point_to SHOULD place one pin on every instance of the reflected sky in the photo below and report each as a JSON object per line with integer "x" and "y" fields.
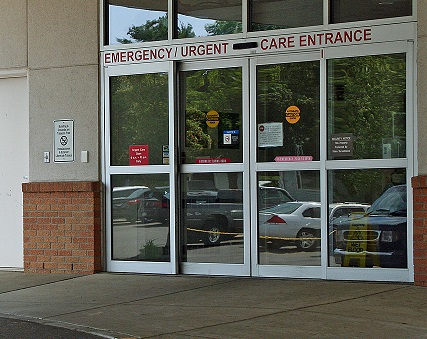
{"x": 122, "y": 18}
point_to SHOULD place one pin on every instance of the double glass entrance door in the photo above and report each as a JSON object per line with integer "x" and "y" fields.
{"x": 244, "y": 166}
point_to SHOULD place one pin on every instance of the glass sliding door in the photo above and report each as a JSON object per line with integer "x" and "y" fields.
{"x": 214, "y": 199}
{"x": 340, "y": 156}
{"x": 369, "y": 162}
{"x": 138, "y": 175}
{"x": 292, "y": 165}
{"x": 287, "y": 219}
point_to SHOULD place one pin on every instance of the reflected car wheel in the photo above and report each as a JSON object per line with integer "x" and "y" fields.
{"x": 213, "y": 236}
{"x": 307, "y": 241}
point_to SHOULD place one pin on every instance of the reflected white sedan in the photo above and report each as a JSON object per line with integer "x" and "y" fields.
{"x": 298, "y": 223}
{"x": 292, "y": 222}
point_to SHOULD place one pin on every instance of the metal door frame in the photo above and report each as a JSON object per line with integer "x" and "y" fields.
{"x": 249, "y": 166}
{"x": 324, "y": 271}
{"x": 222, "y": 268}
{"x": 139, "y": 266}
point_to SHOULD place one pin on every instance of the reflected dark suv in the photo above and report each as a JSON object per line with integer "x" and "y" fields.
{"x": 377, "y": 237}
{"x": 138, "y": 203}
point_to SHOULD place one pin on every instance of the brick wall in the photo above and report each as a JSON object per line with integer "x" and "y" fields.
{"x": 62, "y": 227}
{"x": 419, "y": 186}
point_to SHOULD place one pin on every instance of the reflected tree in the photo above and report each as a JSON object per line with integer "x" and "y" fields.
{"x": 206, "y": 90}
{"x": 365, "y": 95}
{"x": 223, "y": 27}
{"x": 155, "y": 30}
{"x": 139, "y": 115}
{"x": 280, "y": 86}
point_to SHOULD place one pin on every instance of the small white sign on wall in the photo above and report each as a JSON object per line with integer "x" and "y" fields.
{"x": 63, "y": 142}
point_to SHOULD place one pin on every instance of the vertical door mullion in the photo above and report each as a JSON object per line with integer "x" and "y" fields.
{"x": 323, "y": 173}
{"x": 247, "y": 205}
{"x": 107, "y": 162}
{"x": 253, "y": 169}
{"x": 173, "y": 165}
{"x": 412, "y": 166}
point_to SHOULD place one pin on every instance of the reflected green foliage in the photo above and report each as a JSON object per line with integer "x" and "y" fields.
{"x": 264, "y": 27}
{"x": 155, "y": 30}
{"x": 206, "y": 90}
{"x": 367, "y": 99}
{"x": 365, "y": 94}
{"x": 215, "y": 89}
{"x": 280, "y": 86}
{"x": 196, "y": 134}
{"x": 139, "y": 115}
{"x": 223, "y": 27}
{"x": 363, "y": 186}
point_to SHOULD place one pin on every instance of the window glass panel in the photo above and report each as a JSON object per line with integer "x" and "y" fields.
{"x": 207, "y": 18}
{"x": 274, "y": 14}
{"x": 367, "y": 113}
{"x": 132, "y": 21}
{"x": 139, "y": 119}
{"x": 288, "y": 112}
{"x": 358, "y": 10}
{"x": 212, "y": 218}
{"x": 213, "y": 115}
{"x": 371, "y": 230}
{"x": 289, "y": 227}
{"x": 140, "y": 217}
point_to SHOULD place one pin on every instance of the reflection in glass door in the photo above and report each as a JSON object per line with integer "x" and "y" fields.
{"x": 287, "y": 168}
{"x": 213, "y": 180}
{"x": 138, "y": 175}
{"x": 367, "y": 115}
{"x": 277, "y": 174}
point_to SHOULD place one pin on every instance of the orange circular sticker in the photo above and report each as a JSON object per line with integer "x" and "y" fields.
{"x": 212, "y": 118}
{"x": 292, "y": 114}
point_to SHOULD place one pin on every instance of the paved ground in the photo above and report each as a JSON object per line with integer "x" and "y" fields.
{"x": 156, "y": 306}
{"x": 24, "y": 329}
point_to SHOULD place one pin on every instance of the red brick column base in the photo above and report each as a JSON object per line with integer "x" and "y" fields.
{"x": 62, "y": 227}
{"x": 419, "y": 186}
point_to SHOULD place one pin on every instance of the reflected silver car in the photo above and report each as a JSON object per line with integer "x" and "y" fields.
{"x": 292, "y": 222}
{"x": 299, "y": 223}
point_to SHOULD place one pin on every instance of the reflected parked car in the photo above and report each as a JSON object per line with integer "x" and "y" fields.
{"x": 216, "y": 215}
{"x": 270, "y": 196}
{"x": 295, "y": 222}
{"x": 377, "y": 238}
{"x": 140, "y": 204}
{"x": 299, "y": 223}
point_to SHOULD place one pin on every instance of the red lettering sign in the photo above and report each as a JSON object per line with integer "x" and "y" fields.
{"x": 293, "y": 158}
{"x": 273, "y": 43}
{"x": 138, "y": 155}
{"x": 212, "y": 160}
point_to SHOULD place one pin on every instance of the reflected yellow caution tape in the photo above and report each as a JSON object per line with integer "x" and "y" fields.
{"x": 261, "y": 237}
{"x": 212, "y": 232}
{"x": 287, "y": 239}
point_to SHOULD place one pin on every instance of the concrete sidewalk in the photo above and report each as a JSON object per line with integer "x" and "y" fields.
{"x": 146, "y": 306}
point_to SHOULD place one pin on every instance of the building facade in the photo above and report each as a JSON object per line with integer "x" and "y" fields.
{"x": 245, "y": 138}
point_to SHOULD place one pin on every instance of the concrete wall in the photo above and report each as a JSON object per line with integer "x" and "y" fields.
{"x": 13, "y": 34}
{"x": 63, "y": 43}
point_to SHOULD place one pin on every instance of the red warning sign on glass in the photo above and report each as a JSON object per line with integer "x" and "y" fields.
{"x": 138, "y": 155}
